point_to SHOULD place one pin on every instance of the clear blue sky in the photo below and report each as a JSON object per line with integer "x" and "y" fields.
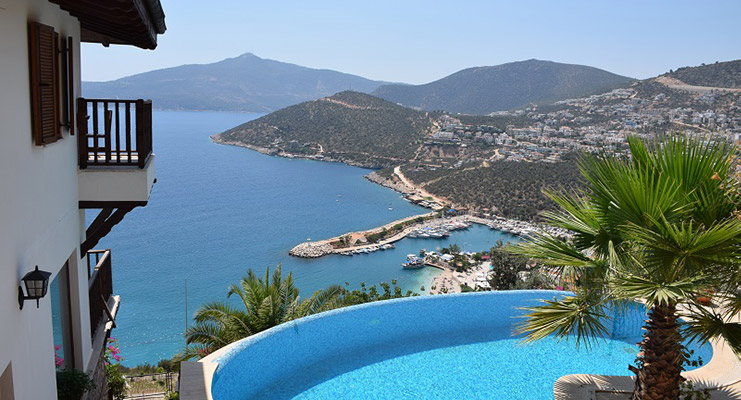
{"x": 421, "y": 41}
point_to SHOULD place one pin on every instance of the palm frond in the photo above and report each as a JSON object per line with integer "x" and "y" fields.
{"x": 703, "y": 325}
{"x": 580, "y": 316}
{"x": 655, "y": 291}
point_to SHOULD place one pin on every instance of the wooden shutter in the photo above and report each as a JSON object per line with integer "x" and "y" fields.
{"x": 71, "y": 85}
{"x": 68, "y": 85}
{"x": 44, "y": 71}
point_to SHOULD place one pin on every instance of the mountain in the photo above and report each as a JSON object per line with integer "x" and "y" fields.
{"x": 350, "y": 127}
{"x": 720, "y": 74}
{"x": 244, "y": 83}
{"x": 482, "y": 90}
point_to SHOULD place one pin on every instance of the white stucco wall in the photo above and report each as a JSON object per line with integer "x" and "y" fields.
{"x": 119, "y": 184}
{"x": 40, "y": 223}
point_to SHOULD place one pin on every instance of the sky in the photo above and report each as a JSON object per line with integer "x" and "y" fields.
{"x": 421, "y": 41}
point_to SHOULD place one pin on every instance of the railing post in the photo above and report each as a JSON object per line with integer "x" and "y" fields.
{"x": 100, "y": 287}
{"x": 148, "y": 127}
{"x": 82, "y": 132}
{"x": 138, "y": 148}
{"x": 108, "y": 289}
{"x": 140, "y": 123}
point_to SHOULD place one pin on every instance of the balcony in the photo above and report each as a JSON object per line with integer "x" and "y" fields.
{"x": 116, "y": 163}
{"x": 103, "y": 304}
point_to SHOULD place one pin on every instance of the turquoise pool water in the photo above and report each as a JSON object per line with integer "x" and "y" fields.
{"x": 451, "y": 346}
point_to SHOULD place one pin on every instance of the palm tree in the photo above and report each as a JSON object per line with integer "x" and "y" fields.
{"x": 661, "y": 226}
{"x": 265, "y": 303}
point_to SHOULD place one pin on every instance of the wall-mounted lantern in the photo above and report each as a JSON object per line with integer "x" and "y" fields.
{"x": 37, "y": 283}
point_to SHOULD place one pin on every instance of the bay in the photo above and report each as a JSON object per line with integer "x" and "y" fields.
{"x": 218, "y": 210}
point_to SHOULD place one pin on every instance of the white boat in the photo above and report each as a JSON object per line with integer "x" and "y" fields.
{"x": 413, "y": 262}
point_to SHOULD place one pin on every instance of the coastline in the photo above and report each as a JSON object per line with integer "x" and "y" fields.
{"x": 276, "y": 153}
{"x": 315, "y": 249}
{"x": 446, "y": 280}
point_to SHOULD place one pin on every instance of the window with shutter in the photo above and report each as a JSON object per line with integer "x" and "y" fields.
{"x": 44, "y": 72}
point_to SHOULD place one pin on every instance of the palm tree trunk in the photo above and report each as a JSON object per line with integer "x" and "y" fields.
{"x": 658, "y": 376}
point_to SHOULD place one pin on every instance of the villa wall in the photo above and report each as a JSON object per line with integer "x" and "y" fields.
{"x": 40, "y": 223}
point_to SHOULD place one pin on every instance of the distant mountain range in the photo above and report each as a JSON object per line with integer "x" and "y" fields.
{"x": 350, "y": 127}
{"x": 482, "y": 90}
{"x": 244, "y": 83}
{"x": 254, "y": 84}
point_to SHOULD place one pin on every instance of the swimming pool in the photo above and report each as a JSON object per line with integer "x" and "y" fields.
{"x": 450, "y": 346}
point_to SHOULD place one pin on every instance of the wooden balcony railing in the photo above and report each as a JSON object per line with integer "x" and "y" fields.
{"x": 100, "y": 286}
{"x": 114, "y": 132}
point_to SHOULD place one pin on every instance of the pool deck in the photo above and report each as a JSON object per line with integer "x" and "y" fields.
{"x": 195, "y": 380}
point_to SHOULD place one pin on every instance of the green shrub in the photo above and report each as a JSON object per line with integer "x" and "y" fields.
{"x": 72, "y": 384}
{"x": 116, "y": 381}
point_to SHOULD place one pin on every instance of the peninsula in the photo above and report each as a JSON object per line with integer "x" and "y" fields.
{"x": 496, "y": 164}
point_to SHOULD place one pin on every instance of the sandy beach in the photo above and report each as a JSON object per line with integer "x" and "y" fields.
{"x": 450, "y": 281}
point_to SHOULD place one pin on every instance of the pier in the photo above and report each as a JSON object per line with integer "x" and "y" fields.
{"x": 430, "y": 227}
{"x": 357, "y": 239}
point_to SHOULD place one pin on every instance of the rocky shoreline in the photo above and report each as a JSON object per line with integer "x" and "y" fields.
{"x": 388, "y": 183}
{"x": 278, "y": 153}
{"x": 311, "y": 250}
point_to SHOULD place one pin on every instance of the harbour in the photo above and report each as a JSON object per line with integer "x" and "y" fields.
{"x": 213, "y": 246}
{"x": 424, "y": 226}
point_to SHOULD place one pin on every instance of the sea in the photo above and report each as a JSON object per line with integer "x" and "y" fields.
{"x": 217, "y": 211}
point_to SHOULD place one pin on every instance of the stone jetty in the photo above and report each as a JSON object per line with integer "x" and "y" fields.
{"x": 311, "y": 250}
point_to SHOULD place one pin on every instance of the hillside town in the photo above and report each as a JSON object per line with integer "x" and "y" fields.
{"x": 597, "y": 123}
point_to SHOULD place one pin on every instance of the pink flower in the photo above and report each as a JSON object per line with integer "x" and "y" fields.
{"x": 58, "y": 361}
{"x": 559, "y": 287}
{"x": 117, "y": 357}
{"x": 58, "y": 347}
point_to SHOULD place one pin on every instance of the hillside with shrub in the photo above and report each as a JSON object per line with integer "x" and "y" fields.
{"x": 510, "y": 189}
{"x": 482, "y": 90}
{"x": 350, "y": 127}
{"x": 719, "y": 74}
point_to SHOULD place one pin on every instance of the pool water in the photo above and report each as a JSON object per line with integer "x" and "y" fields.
{"x": 424, "y": 348}
{"x": 455, "y": 368}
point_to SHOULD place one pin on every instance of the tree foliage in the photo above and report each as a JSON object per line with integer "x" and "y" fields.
{"x": 264, "y": 303}
{"x": 349, "y": 126}
{"x": 513, "y": 189}
{"x": 662, "y": 226}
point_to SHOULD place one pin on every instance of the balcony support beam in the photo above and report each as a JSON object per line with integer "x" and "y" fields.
{"x": 102, "y": 226}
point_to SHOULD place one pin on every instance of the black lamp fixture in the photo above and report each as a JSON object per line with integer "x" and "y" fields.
{"x": 37, "y": 283}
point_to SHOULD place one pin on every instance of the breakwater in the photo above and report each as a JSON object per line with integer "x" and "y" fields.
{"x": 356, "y": 240}
{"x": 429, "y": 226}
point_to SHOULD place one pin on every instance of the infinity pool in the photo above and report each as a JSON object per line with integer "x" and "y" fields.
{"x": 451, "y": 346}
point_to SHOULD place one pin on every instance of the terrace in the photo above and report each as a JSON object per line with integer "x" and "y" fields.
{"x": 116, "y": 162}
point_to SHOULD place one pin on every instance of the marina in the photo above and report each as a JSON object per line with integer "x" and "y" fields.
{"x": 433, "y": 226}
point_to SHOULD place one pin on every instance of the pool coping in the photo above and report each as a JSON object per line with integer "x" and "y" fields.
{"x": 723, "y": 371}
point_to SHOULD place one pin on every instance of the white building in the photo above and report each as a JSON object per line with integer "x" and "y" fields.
{"x": 61, "y": 155}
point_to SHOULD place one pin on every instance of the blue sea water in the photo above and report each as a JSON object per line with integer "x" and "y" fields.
{"x": 218, "y": 210}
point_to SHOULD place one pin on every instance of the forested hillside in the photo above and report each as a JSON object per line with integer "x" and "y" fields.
{"x": 512, "y": 189}
{"x": 482, "y": 90}
{"x": 351, "y": 127}
{"x": 244, "y": 83}
{"x": 719, "y": 74}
